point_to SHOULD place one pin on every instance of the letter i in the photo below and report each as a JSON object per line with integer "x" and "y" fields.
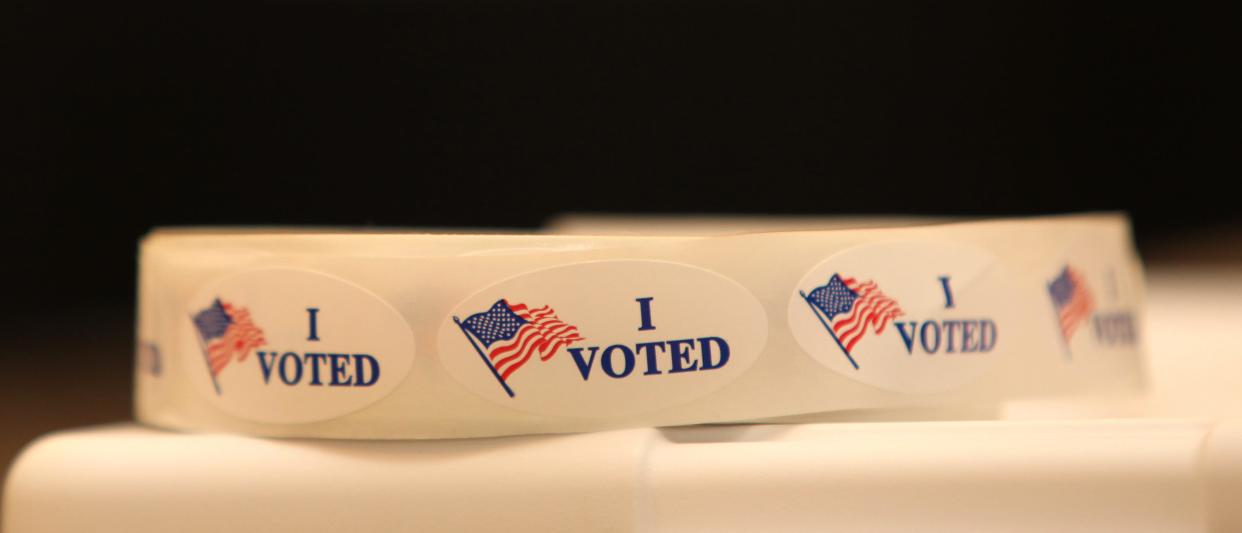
{"x": 948, "y": 293}
{"x": 313, "y": 317}
{"x": 644, "y": 310}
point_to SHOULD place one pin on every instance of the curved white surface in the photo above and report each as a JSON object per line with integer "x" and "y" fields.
{"x": 370, "y": 335}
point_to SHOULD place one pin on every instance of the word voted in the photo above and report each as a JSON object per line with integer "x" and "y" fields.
{"x": 318, "y": 369}
{"x": 618, "y": 360}
{"x": 678, "y": 355}
{"x": 332, "y": 369}
{"x": 960, "y": 336}
{"x": 949, "y": 336}
{"x": 1115, "y": 328}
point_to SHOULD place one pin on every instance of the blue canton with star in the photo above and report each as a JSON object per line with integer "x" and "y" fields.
{"x": 1062, "y": 289}
{"x": 496, "y": 324}
{"x": 833, "y": 298}
{"x": 213, "y": 321}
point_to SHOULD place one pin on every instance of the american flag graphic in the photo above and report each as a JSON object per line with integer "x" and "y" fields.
{"x": 1071, "y": 299}
{"x": 850, "y": 307}
{"x": 512, "y": 333}
{"x": 227, "y": 333}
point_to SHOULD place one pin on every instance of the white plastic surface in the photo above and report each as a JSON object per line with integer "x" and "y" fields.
{"x": 1138, "y": 475}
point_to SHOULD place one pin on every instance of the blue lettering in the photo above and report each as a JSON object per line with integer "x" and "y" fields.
{"x": 313, "y": 313}
{"x": 606, "y": 361}
{"x": 340, "y": 375}
{"x": 584, "y": 366}
{"x": 1114, "y": 328}
{"x": 619, "y": 360}
{"x": 950, "y": 325}
{"x": 644, "y": 311}
{"x": 948, "y": 293}
{"x": 705, "y": 344}
{"x": 362, "y": 378}
{"x": 679, "y": 350}
{"x": 313, "y": 359}
{"x": 987, "y": 335}
{"x": 930, "y": 347}
{"x": 291, "y": 366}
{"x": 907, "y": 336}
{"x": 284, "y": 368}
{"x": 968, "y": 332}
{"x": 649, "y": 349}
{"x": 265, "y": 365}
{"x": 968, "y": 336}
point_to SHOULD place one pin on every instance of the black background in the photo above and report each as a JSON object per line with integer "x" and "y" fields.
{"x": 123, "y": 116}
{"x": 472, "y": 112}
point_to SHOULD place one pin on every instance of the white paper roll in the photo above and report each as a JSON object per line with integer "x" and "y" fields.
{"x": 397, "y": 335}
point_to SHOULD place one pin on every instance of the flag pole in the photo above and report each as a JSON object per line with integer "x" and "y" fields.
{"x": 202, "y": 347}
{"x": 829, "y": 328}
{"x": 1065, "y": 339}
{"x": 487, "y": 361}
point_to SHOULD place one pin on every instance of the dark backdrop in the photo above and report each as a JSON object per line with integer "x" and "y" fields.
{"x": 499, "y": 113}
{"x": 124, "y": 115}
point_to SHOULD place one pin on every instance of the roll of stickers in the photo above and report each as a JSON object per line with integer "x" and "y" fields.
{"x": 400, "y": 335}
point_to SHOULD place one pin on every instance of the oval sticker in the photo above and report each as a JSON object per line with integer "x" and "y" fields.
{"x": 915, "y": 317}
{"x": 603, "y": 339}
{"x": 290, "y": 346}
{"x": 1093, "y": 299}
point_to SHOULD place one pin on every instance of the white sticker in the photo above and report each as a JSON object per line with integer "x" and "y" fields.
{"x": 603, "y": 339}
{"x": 1092, "y": 299}
{"x": 290, "y": 346}
{"x": 915, "y": 317}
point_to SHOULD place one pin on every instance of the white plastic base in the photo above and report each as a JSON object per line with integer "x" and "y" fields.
{"x": 1119, "y": 475}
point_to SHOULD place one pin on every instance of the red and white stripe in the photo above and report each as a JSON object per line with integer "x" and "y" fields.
{"x": 240, "y": 337}
{"x": 1079, "y": 307}
{"x": 544, "y": 333}
{"x": 872, "y": 308}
